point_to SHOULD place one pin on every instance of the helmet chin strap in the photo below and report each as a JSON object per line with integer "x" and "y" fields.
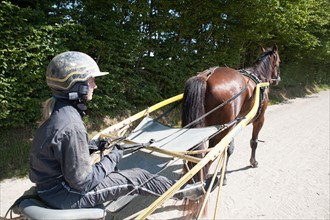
{"x": 77, "y": 95}
{"x": 81, "y": 108}
{"x": 82, "y": 98}
{"x": 79, "y": 104}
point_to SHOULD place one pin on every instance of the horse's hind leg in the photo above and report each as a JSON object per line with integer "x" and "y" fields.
{"x": 230, "y": 151}
{"x": 257, "y": 125}
{"x": 254, "y": 145}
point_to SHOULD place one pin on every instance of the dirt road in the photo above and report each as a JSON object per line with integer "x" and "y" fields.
{"x": 291, "y": 182}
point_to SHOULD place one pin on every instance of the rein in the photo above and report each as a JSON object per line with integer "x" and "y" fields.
{"x": 208, "y": 73}
{"x": 219, "y": 106}
{"x": 251, "y": 76}
{"x": 222, "y": 127}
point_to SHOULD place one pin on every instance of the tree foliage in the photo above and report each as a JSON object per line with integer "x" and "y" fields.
{"x": 151, "y": 47}
{"x": 26, "y": 48}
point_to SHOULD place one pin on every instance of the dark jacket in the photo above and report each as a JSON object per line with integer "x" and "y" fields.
{"x": 60, "y": 152}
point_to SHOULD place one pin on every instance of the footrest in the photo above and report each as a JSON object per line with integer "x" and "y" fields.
{"x": 34, "y": 209}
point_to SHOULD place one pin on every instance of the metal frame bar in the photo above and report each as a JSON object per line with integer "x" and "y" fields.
{"x": 117, "y": 127}
{"x": 212, "y": 155}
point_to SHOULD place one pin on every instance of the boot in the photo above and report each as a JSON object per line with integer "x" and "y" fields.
{"x": 196, "y": 190}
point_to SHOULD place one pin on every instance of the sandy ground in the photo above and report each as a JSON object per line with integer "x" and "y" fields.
{"x": 291, "y": 182}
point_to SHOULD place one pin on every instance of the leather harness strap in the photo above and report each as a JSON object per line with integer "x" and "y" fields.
{"x": 208, "y": 72}
{"x": 255, "y": 78}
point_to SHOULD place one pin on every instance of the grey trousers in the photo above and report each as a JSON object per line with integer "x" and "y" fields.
{"x": 116, "y": 184}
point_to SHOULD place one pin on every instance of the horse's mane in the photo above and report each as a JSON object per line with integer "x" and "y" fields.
{"x": 262, "y": 65}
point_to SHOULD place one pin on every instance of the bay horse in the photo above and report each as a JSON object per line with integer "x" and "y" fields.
{"x": 216, "y": 86}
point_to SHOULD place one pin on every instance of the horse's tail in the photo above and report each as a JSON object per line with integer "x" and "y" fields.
{"x": 193, "y": 101}
{"x": 193, "y": 108}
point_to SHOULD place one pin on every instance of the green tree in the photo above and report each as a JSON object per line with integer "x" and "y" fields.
{"x": 26, "y": 48}
{"x": 152, "y": 47}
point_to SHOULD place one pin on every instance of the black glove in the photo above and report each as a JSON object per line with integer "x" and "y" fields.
{"x": 103, "y": 143}
{"x": 99, "y": 144}
{"x": 135, "y": 146}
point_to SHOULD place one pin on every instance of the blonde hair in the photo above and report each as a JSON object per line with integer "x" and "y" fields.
{"x": 47, "y": 109}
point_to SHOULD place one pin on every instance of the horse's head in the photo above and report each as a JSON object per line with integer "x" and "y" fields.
{"x": 268, "y": 65}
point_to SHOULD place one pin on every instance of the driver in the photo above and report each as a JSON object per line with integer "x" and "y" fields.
{"x": 59, "y": 158}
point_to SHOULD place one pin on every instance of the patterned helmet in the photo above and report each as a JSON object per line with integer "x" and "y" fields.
{"x": 67, "y": 74}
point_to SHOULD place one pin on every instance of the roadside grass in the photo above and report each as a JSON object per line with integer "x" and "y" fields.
{"x": 279, "y": 94}
{"x": 16, "y": 142}
{"x": 14, "y": 151}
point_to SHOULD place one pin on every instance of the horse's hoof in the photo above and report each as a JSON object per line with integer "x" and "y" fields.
{"x": 254, "y": 165}
{"x": 224, "y": 182}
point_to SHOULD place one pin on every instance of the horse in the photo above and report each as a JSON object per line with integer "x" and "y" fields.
{"x": 233, "y": 91}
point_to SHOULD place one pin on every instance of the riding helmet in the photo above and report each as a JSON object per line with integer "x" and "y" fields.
{"x": 68, "y": 73}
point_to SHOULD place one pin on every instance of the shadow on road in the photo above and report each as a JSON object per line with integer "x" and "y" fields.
{"x": 240, "y": 169}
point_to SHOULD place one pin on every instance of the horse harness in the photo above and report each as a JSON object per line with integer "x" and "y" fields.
{"x": 250, "y": 75}
{"x": 208, "y": 72}
{"x": 255, "y": 79}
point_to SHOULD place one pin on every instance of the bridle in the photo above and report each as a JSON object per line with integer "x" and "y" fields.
{"x": 276, "y": 69}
